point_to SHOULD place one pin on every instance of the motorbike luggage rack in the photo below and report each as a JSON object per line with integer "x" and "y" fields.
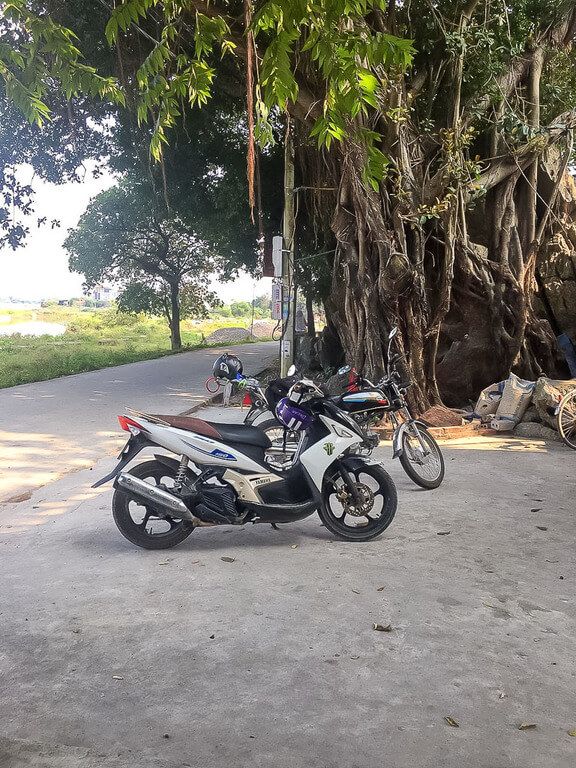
{"x": 148, "y": 416}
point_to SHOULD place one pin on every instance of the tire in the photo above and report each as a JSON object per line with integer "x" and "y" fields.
{"x": 566, "y": 419}
{"x": 124, "y": 508}
{"x": 350, "y": 531}
{"x": 416, "y": 471}
{"x": 275, "y": 431}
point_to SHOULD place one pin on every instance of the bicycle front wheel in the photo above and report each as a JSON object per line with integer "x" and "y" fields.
{"x": 566, "y": 419}
{"x": 421, "y": 457}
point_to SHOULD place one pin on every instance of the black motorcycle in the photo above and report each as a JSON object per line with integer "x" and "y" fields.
{"x": 367, "y": 404}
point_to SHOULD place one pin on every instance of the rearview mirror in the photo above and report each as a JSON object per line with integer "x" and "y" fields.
{"x": 344, "y": 369}
{"x": 291, "y": 371}
{"x": 393, "y": 333}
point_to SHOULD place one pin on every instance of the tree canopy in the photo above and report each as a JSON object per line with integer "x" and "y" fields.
{"x": 155, "y": 257}
{"x": 432, "y": 141}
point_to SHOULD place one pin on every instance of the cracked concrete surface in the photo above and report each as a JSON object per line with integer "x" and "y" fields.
{"x": 115, "y": 657}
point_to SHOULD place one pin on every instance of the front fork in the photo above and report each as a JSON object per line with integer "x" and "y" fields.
{"x": 407, "y": 425}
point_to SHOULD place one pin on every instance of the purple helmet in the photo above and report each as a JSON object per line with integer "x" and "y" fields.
{"x": 292, "y": 417}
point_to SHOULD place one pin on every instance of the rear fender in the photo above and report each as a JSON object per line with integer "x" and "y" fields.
{"x": 135, "y": 444}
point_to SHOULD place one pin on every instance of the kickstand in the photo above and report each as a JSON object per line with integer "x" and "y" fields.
{"x": 275, "y": 526}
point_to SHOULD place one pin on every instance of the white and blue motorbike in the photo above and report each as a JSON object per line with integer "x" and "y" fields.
{"x": 221, "y": 475}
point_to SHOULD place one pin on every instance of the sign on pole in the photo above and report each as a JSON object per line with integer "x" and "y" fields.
{"x": 276, "y": 301}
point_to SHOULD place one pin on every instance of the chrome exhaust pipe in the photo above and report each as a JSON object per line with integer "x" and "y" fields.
{"x": 157, "y": 497}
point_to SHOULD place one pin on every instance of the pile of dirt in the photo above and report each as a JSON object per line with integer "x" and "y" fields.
{"x": 439, "y": 416}
{"x": 262, "y": 329}
{"x": 229, "y": 335}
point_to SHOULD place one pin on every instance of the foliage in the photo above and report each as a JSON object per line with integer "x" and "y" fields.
{"x": 138, "y": 297}
{"x": 121, "y": 236}
{"x": 93, "y": 339}
{"x": 155, "y": 256}
{"x": 240, "y": 308}
{"x": 404, "y": 118}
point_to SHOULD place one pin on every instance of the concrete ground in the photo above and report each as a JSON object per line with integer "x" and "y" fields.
{"x": 53, "y": 427}
{"x": 116, "y": 657}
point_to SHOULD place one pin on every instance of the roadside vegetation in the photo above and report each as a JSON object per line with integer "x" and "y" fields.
{"x": 98, "y": 338}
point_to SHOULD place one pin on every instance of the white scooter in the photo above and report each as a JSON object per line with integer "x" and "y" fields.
{"x": 221, "y": 476}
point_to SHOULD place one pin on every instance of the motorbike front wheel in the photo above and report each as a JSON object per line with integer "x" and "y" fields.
{"x": 361, "y": 512}
{"x": 424, "y": 467}
{"x": 142, "y": 525}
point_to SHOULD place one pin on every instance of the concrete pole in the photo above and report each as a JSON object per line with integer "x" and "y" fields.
{"x": 289, "y": 235}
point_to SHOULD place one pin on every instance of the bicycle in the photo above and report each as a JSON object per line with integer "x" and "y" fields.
{"x": 566, "y": 419}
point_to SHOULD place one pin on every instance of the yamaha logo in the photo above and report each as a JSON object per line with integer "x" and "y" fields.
{"x": 329, "y": 448}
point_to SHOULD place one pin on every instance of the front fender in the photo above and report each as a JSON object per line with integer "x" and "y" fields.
{"x": 397, "y": 442}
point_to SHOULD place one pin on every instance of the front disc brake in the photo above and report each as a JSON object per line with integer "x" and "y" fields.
{"x": 364, "y": 503}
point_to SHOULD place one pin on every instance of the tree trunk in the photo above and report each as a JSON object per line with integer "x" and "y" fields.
{"x": 310, "y": 322}
{"x": 175, "y": 337}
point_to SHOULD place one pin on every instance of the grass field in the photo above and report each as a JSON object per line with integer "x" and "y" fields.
{"x": 94, "y": 338}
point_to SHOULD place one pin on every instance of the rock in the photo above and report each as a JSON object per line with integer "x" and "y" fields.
{"x": 439, "y": 416}
{"x": 536, "y": 431}
{"x": 227, "y": 335}
{"x": 532, "y": 415}
{"x": 547, "y": 394}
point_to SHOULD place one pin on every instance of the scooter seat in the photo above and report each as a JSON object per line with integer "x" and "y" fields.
{"x": 190, "y": 424}
{"x": 241, "y": 434}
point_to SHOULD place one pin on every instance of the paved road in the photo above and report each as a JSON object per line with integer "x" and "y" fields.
{"x": 117, "y": 657}
{"x": 53, "y": 427}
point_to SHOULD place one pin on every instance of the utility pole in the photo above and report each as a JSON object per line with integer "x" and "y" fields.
{"x": 288, "y": 281}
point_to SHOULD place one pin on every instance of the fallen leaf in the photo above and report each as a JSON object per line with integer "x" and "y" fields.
{"x": 354, "y": 657}
{"x": 164, "y": 562}
{"x": 572, "y": 733}
{"x": 382, "y": 627}
{"x": 536, "y": 509}
{"x": 443, "y": 533}
{"x": 501, "y": 695}
{"x": 212, "y": 637}
{"x": 380, "y": 589}
{"x": 356, "y": 592}
{"x": 228, "y": 559}
{"x": 526, "y": 726}
{"x": 76, "y": 631}
{"x": 294, "y": 546}
{"x": 117, "y": 677}
{"x": 166, "y": 736}
{"x": 542, "y": 527}
{"x": 451, "y": 722}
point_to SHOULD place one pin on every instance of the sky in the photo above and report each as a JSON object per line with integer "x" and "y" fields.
{"x": 39, "y": 270}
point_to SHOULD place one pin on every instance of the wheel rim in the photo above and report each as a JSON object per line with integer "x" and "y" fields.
{"x": 348, "y": 514}
{"x": 567, "y": 419}
{"x": 146, "y": 519}
{"x": 427, "y": 464}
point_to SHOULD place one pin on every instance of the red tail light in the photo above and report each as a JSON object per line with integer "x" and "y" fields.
{"x": 247, "y": 400}
{"x": 126, "y": 423}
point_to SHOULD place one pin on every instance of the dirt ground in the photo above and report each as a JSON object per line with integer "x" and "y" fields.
{"x": 116, "y": 657}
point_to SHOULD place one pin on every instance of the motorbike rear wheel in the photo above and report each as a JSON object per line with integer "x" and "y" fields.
{"x": 142, "y": 525}
{"x": 370, "y": 514}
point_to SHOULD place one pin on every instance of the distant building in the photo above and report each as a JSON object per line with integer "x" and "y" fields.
{"x": 103, "y": 293}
